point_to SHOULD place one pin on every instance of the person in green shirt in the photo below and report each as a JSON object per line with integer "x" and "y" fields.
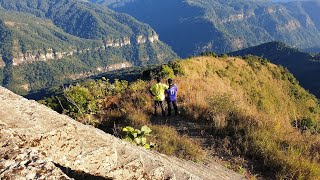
{"x": 157, "y": 90}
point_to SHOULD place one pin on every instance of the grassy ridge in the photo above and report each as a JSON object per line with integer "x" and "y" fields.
{"x": 293, "y": 59}
{"x": 256, "y": 108}
{"x": 256, "y": 105}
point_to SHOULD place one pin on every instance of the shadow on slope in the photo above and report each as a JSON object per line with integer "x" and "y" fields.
{"x": 79, "y": 175}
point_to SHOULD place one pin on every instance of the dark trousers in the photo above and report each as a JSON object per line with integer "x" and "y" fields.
{"x": 161, "y": 104}
{"x": 174, "y": 103}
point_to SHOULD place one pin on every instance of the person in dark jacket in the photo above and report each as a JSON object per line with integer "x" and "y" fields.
{"x": 171, "y": 93}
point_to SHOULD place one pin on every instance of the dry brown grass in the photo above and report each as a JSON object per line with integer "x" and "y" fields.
{"x": 172, "y": 143}
{"x": 250, "y": 104}
{"x": 254, "y": 91}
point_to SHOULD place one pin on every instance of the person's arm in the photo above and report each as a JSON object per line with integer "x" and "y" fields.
{"x": 151, "y": 91}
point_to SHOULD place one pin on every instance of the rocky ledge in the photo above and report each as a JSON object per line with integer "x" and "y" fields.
{"x": 38, "y": 143}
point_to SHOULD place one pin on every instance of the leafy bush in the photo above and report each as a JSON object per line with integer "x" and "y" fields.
{"x": 221, "y": 73}
{"x": 119, "y": 86}
{"x": 80, "y": 98}
{"x": 210, "y": 54}
{"x": 307, "y": 124}
{"x": 138, "y": 86}
{"x": 224, "y": 56}
{"x": 166, "y": 72}
{"x": 177, "y": 67}
{"x": 138, "y": 137}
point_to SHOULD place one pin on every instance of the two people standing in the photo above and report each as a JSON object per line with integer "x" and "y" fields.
{"x": 161, "y": 92}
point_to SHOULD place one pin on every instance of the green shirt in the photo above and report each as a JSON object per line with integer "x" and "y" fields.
{"x": 158, "y": 91}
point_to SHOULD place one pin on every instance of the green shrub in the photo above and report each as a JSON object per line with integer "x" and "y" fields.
{"x": 210, "y": 54}
{"x": 138, "y": 137}
{"x": 177, "y": 68}
{"x": 166, "y": 72}
{"x": 138, "y": 86}
{"x": 80, "y": 98}
{"x": 307, "y": 124}
{"x": 120, "y": 86}
{"x": 224, "y": 56}
{"x": 221, "y": 73}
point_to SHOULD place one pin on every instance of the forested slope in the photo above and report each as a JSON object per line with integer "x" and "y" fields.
{"x": 194, "y": 26}
{"x": 46, "y": 43}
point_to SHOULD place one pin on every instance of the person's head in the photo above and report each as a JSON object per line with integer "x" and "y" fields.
{"x": 158, "y": 79}
{"x": 170, "y": 81}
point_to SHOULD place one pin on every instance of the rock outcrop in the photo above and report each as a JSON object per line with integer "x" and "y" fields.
{"x": 31, "y": 56}
{"x": 2, "y": 64}
{"x": 39, "y": 55}
{"x": 38, "y": 143}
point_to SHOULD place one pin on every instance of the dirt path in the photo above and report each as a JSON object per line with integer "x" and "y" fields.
{"x": 215, "y": 157}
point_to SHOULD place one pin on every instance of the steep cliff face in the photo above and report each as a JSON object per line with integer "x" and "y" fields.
{"x": 44, "y": 42}
{"x": 38, "y": 141}
{"x": 2, "y": 64}
{"x": 31, "y": 56}
{"x": 223, "y": 26}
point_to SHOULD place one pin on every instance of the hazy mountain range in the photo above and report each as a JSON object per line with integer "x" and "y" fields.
{"x": 193, "y": 26}
{"x": 45, "y": 43}
{"x": 50, "y": 42}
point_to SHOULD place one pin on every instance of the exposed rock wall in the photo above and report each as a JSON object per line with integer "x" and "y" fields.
{"x": 289, "y": 26}
{"x": 113, "y": 67}
{"x": 2, "y": 64}
{"x": 117, "y": 42}
{"x": 238, "y": 17}
{"x": 39, "y": 55}
{"x": 45, "y": 138}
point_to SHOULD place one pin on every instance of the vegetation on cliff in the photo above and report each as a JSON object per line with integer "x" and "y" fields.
{"x": 223, "y": 26}
{"x": 257, "y": 109}
{"x": 65, "y": 40}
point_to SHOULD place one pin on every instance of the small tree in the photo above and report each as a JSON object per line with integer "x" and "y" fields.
{"x": 166, "y": 72}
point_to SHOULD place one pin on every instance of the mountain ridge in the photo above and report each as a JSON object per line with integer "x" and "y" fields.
{"x": 69, "y": 38}
{"x": 304, "y": 66}
{"x": 226, "y": 26}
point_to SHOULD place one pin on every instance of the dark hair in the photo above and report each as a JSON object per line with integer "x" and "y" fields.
{"x": 158, "y": 79}
{"x": 169, "y": 81}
